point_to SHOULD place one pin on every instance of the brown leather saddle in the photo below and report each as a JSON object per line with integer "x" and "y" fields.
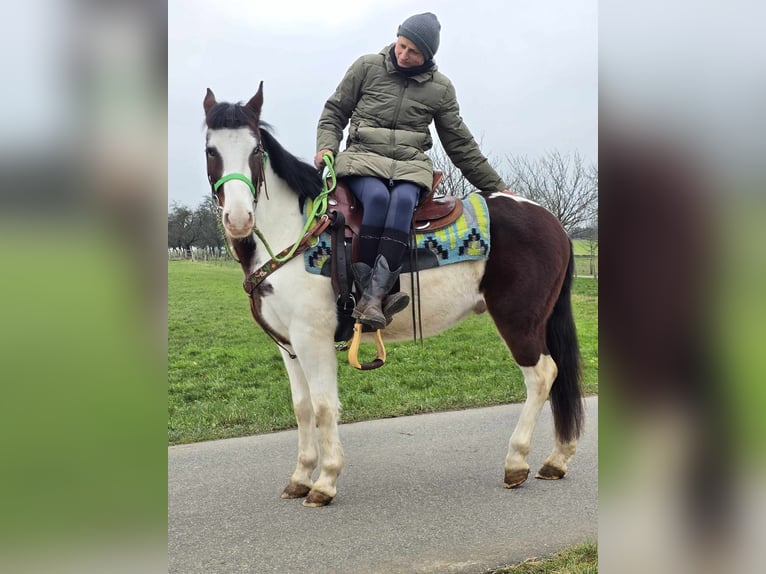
{"x": 434, "y": 211}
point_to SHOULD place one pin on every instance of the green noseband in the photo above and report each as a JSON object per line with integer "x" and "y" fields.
{"x": 238, "y": 176}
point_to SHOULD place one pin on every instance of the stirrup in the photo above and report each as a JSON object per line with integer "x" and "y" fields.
{"x": 353, "y": 351}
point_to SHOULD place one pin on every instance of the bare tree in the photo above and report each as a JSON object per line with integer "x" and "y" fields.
{"x": 560, "y": 183}
{"x": 206, "y": 214}
{"x": 198, "y": 227}
{"x": 183, "y": 228}
{"x": 453, "y": 182}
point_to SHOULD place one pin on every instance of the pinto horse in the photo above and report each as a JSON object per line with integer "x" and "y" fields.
{"x": 524, "y": 284}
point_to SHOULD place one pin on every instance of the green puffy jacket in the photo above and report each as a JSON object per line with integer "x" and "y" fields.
{"x": 390, "y": 115}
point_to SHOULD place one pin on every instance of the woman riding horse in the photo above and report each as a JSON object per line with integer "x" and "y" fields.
{"x": 391, "y": 98}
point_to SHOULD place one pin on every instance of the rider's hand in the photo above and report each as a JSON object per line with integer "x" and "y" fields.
{"x": 319, "y": 157}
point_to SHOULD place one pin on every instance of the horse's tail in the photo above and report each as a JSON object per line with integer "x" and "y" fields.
{"x": 561, "y": 338}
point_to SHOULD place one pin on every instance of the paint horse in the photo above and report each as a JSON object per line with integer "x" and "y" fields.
{"x": 524, "y": 284}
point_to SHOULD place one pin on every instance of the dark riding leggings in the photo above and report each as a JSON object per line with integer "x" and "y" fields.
{"x": 386, "y": 219}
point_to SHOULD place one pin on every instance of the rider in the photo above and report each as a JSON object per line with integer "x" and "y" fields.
{"x": 391, "y": 98}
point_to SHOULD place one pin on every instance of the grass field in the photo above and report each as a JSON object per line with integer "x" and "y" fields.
{"x": 583, "y": 247}
{"x": 586, "y": 257}
{"x": 226, "y": 378}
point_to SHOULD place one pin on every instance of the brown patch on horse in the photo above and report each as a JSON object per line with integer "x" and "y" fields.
{"x": 255, "y": 310}
{"x": 515, "y": 478}
{"x": 209, "y": 101}
{"x": 528, "y": 258}
{"x": 256, "y": 102}
{"x": 244, "y": 249}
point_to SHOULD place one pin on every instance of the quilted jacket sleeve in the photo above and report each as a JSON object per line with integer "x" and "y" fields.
{"x": 339, "y": 107}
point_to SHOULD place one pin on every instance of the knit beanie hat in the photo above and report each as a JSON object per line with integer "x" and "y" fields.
{"x": 423, "y": 31}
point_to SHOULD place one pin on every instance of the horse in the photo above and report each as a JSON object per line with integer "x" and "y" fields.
{"x": 525, "y": 284}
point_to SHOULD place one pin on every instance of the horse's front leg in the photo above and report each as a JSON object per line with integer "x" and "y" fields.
{"x": 318, "y": 360}
{"x": 308, "y": 451}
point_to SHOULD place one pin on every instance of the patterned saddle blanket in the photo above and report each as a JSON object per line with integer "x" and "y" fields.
{"x": 466, "y": 239}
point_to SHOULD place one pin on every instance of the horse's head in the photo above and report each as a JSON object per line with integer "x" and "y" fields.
{"x": 235, "y": 159}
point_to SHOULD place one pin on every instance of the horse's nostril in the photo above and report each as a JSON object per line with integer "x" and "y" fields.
{"x": 237, "y": 221}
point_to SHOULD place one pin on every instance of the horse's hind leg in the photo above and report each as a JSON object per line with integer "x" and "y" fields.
{"x": 527, "y": 286}
{"x": 538, "y": 380}
{"x": 540, "y": 372}
{"x": 308, "y": 453}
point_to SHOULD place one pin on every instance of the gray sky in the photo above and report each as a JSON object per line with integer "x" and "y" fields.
{"x": 525, "y": 72}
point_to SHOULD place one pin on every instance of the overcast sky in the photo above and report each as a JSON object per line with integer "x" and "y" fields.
{"x": 525, "y": 72}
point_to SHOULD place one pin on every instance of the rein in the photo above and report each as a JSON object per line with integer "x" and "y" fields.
{"x": 308, "y": 240}
{"x": 317, "y": 208}
{"x": 317, "y": 221}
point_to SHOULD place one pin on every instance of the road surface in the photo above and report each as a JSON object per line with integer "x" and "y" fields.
{"x": 418, "y": 494}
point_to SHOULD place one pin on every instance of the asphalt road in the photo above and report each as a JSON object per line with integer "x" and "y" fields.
{"x": 418, "y": 494}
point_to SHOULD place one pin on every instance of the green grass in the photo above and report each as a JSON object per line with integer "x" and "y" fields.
{"x": 586, "y": 260}
{"x": 581, "y": 559}
{"x": 583, "y": 246}
{"x": 226, "y": 378}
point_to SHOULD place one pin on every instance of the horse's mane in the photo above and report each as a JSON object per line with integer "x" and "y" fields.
{"x": 300, "y": 176}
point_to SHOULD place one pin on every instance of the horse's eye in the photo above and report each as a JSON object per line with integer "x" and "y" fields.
{"x": 211, "y": 152}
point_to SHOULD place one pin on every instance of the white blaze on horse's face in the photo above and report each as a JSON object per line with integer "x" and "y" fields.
{"x": 234, "y": 147}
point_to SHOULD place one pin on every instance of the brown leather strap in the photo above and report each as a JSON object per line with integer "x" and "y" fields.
{"x": 259, "y": 275}
{"x": 254, "y": 279}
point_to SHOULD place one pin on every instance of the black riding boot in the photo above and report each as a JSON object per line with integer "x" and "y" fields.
{"x": 376, "y": 283}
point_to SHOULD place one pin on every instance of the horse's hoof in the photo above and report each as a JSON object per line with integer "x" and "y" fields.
{"x": 514, "y": 478}
{"x": 548, "y": 472}
{"x": 295, "y": 491}
{"x": 315, "y": 499}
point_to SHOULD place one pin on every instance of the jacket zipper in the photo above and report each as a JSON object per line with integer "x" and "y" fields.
{"x": 393, "y": 129}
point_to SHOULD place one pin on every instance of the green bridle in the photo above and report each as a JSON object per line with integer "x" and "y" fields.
{"x": 316, "y": 207}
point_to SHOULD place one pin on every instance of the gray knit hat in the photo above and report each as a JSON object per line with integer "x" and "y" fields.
{"x": 423, "y": 31}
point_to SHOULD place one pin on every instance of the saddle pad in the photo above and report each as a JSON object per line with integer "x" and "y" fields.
{"x": 464, "y": 240}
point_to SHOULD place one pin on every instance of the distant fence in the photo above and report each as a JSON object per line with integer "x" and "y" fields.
{"x": 199, "y": 254}
{"x": 586, "y": 266}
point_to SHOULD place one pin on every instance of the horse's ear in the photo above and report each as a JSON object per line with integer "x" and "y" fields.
{"x": 209, "y": 101}
{"x": 256, "y": 101}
